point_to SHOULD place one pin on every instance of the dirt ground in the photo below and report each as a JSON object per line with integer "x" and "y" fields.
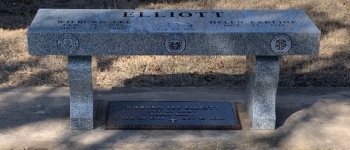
{"x": 328, "y": 69}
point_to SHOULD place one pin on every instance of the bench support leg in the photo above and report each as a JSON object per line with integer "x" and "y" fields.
{"x": 260, "y": 98}
{"x": 81, "y": 94}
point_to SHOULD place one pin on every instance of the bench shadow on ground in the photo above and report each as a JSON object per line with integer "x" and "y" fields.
{"x": 17, "y": 111}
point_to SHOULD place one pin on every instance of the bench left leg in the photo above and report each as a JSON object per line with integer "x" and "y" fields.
{"x": 262, "y": 82}
{"x": 81, "y": 94}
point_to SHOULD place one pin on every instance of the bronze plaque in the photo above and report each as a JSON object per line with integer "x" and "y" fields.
{"x": 172, "y": 115}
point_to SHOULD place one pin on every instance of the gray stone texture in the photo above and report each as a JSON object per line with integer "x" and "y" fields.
{"x": 81, "y": 93}
{"x": 216, "y": 32}
{"x": 262, "y": 82}
{"x": 262, "y": 35}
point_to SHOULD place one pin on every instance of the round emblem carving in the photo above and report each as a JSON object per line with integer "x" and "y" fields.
{"x": 281, "y": 44}
{"x": 175, "y": 44}
{"x": 68, "y": 42}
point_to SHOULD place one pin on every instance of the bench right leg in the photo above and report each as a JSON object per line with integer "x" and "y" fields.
{"x": 81, "y": 94}
{"x": 262, "y": 82}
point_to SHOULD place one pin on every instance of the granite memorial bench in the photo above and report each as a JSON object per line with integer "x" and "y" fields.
{"x": 261, "y": 35}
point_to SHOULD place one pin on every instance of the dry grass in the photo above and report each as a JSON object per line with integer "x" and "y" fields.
{"x": 330, "y": 68}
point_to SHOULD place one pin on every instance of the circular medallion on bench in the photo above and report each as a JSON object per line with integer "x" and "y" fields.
{"x": 175, "y": 44}
{"x": 68, "y": 42}
{"x": 281, "y": 44}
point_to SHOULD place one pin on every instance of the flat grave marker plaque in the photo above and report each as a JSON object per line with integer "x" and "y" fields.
{"x": 172, "y": 115}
